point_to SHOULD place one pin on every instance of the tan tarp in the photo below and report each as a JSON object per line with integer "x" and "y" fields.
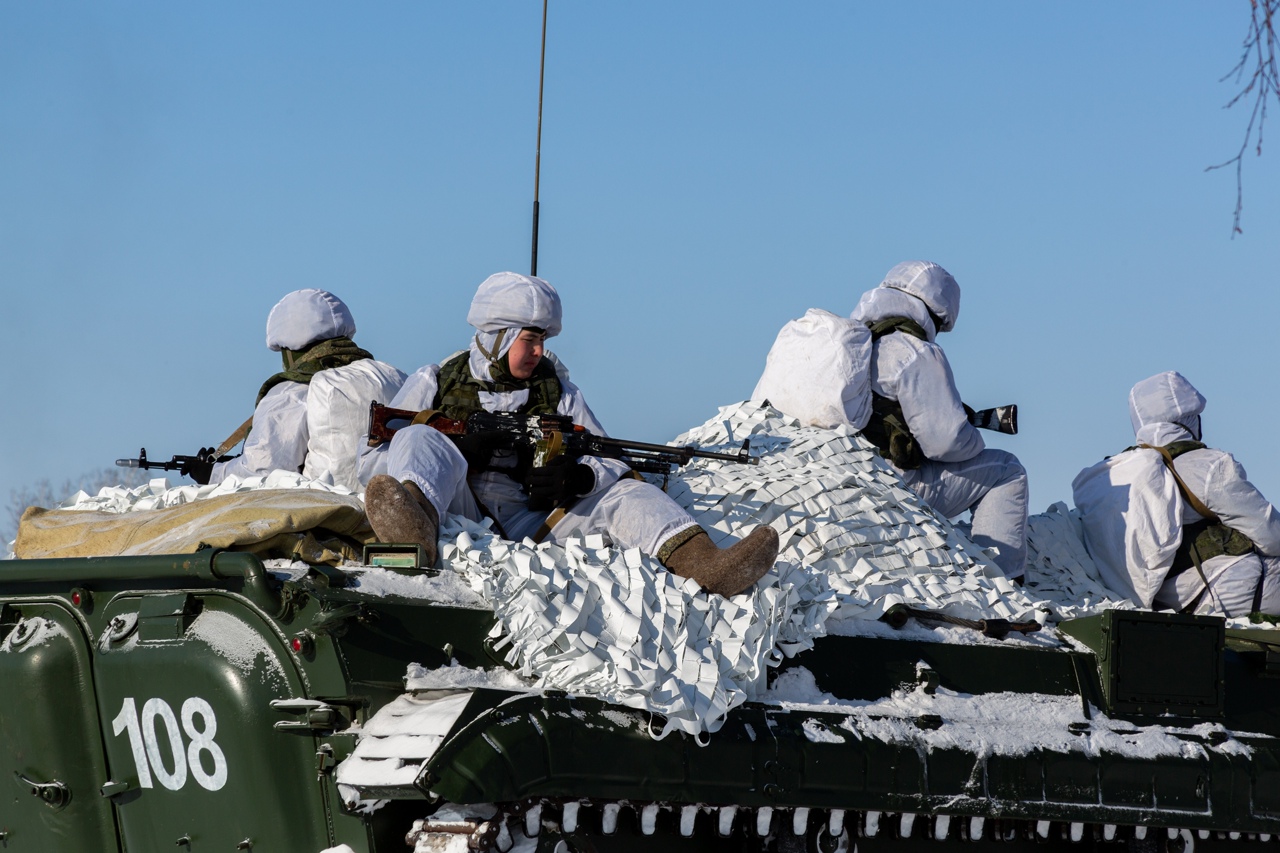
{"x": 313, "y": 526}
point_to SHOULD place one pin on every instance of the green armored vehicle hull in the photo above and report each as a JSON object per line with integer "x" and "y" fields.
{"x": 200, "y": 702}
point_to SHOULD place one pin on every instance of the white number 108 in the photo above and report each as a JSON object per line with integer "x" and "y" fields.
{"x": 144, "y": 740}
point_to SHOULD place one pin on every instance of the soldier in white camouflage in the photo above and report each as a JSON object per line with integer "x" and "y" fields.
{"x": 421, "y": 474}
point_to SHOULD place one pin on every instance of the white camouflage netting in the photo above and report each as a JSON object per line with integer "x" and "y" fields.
{"x": 158, "y": 494}
{"x": 589, "y": 618}
{"x": 1060, "y": 572}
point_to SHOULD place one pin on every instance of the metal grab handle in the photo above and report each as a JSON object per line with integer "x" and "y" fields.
{"x": 54, "y": 794}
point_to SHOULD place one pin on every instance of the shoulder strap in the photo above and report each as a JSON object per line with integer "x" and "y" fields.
{"x": 889, "y": 325}
{"x": 234, "y": 439}
{"x": 1196, "y": 503}
{"x": 1198, "y": 506}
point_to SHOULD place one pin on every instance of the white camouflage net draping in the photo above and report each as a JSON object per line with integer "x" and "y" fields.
{"x": 158, "y": 494}
{"x": 1060, "y": 572}
{"x": 588, "y": 618}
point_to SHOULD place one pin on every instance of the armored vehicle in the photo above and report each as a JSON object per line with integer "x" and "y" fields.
{"x": 195, "y": 703}
{"x": 211, "y": 701}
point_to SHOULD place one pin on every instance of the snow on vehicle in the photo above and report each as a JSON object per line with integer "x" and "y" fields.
{"x": 577, "y": 698}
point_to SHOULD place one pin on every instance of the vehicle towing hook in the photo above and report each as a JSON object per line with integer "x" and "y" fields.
{"x": 53, "y": 794}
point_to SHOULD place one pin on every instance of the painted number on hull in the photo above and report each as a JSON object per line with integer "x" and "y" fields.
{"x": 145, "y": 737}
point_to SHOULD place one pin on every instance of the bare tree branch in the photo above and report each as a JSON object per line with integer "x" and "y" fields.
{"x": 1258, "y": 57}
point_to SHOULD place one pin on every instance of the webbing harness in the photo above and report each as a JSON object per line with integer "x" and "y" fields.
{"x": 1205, "y": 539}
{"x": 458, "y": 393}
{"x": 888, "y": 429}
{"x": 299, "y": 366}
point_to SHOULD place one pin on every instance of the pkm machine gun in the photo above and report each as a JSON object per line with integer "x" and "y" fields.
{"x": 549, "y": 436}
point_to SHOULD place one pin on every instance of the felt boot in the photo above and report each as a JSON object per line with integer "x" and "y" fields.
{"x": 400, "y": 513}
{"x": 726, "y": 571}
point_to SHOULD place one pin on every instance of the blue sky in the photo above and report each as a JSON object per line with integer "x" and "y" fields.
{"x": 168, "y": 171}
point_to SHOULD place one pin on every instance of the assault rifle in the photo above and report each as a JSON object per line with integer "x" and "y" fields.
{"x": 196, "y": 467}
{"x": 177, "y": 463}
{"x": 1000, "y": 419}
{"x": 549, "y": 436}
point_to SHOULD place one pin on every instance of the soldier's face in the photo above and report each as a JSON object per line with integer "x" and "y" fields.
{"x": 525, "y": 353}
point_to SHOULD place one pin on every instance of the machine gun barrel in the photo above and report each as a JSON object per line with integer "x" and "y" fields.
{"x": 618, "y": 448}
{"x": 558, "y": 430}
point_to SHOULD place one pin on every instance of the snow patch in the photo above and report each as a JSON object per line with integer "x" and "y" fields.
{"x": 240, "y": 644}
{"x": 816, "y": 732}
{"x": 448, "y": 589}
{"x": 395, "y": 743}
{"x": 458, "y": 677}
{"x": 999, "y": 723}
{"x": 31, "y": 633}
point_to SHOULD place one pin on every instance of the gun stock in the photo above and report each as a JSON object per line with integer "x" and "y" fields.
{"x": 382, "y": 428}
{"x": 999, "y": 419}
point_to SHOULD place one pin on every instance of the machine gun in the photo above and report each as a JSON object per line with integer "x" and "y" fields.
{"x": 549, "y": 436}
{"x": 1000, "y": 419}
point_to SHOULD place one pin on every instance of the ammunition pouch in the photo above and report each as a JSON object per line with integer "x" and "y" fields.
{"x": 1209, "y": 540}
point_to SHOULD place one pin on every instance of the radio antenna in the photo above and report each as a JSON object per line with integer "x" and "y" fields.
{"x": 537, "y": 160}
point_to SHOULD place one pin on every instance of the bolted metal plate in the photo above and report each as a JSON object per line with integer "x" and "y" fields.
{"x": 1152, "y": 664}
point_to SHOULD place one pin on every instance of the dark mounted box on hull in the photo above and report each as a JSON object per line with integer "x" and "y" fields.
{"x": 1155, "y": 664}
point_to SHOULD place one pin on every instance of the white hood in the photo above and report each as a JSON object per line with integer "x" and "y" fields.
{"x": 876, "y": 305}
{"x": 509, "y": 300}
{"x": 1165, "y": 408}
{"x": 932, "y": 285}
{"x": 504, "y": 304}
{"x": 305, "y": 317}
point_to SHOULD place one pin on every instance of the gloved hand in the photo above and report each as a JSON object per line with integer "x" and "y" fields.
{"x": 199, "y": 467}
{"x": 477, "y": 447}
{"x": 560, "y": 479}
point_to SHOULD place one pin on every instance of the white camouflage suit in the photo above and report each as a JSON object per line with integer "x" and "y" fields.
{"x": 282, "y": 435}
{"x": 632, "y": 513}
{"x": 1166, "y": 408}
{"x": 959, "y": 472}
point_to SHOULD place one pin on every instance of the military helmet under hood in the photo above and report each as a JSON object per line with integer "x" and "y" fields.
{"x": 1164, "y": 407}
{"x": 305, "y": 317}
{"x": 932, "y": 285}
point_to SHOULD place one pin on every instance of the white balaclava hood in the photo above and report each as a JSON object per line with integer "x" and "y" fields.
{"x": 1165, "y": 408}
{"x": 932, "y": 285}
{"x": 306, "y": 316}
{"x": 505, "y": 303}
